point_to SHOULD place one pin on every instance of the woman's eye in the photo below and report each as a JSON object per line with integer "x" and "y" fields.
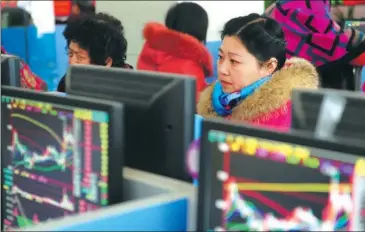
{"x": 233, "y": 61}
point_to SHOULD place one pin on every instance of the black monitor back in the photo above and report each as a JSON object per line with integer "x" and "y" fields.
{"x": 159, "y": 113}
{"x": 10, "y": 70}
{"x": 308, "y": 106}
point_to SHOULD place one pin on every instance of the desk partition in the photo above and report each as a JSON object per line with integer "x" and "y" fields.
{"x": 151, "y": 203}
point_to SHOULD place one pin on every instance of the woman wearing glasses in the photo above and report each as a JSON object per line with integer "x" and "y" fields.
{"x": 97, "y": 40}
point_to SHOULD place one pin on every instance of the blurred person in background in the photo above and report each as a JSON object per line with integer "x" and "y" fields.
{"x": 80, "y": 7}
{"x": 97, "y": 40}
{"x": 312, "y": 34}
{"x": 29, "y": 80}
{"x": 179, "y": 45}
{"x": 255, "y": 81}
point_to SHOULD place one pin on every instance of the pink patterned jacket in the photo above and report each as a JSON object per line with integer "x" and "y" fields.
{"x": 270, "y": 105}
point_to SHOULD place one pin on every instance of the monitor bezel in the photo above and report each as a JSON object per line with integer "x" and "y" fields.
{"x": 12, "y": 61}
{"x": 116, "y": 114}
{"x": 294, "y": 137}
{"x": 126, "y": 75}
{"x": 335, "y": 92}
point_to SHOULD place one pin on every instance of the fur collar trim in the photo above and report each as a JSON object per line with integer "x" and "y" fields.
{"x": 297, "y": 73}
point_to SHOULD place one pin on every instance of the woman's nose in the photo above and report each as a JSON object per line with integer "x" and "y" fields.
{"x": 72, "y": 60}
{"x": 222, "y": 68}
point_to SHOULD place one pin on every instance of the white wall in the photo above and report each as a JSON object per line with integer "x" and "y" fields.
{"x": 134, "y": 15}
{"x": 43, "y": 22}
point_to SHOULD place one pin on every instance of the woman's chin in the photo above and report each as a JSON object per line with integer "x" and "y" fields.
{"x": 227, "y": 89}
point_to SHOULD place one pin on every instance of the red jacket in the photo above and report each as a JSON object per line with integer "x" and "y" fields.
{"x": 353, "y": 2}
{"x": 170, "y": 51}
{"x": 29, "y": 80}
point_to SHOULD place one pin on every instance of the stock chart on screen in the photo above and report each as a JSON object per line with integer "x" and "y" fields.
{"x": 262, "y": 185}
{"x": 55, "y": 161}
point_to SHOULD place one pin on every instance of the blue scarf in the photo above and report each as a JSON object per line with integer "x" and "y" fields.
{"x": 223, "y": 103}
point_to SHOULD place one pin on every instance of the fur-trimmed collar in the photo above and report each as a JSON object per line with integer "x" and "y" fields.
{"x": 298, "y": 73}
{"x": 178, "y": 44}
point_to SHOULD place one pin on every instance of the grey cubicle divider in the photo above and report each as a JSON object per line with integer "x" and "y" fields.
{"x": 151, "y": 202}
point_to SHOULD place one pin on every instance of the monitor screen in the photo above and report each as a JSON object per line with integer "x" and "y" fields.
{"x": 356, "y": 24}
{"x": 55, "y": 159}
{"x": 258, "y": 184}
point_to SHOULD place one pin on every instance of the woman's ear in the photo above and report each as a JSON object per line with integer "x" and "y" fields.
{"x": 270, "y": 66}
{"x": 108, "y": 62}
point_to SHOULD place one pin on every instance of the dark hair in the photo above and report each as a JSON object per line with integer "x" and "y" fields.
{"x": 262, "y": 36}
{"x": 101, "y": 35}
{"x": 85, "y": 6}
{"x": 189, "y": 18}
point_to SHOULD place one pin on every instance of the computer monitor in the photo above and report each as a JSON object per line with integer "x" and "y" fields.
{"x": 258, "y": 180}
{"x": 356, "y": 24}
{"x": 359, "y": 74}
{"x": 159, "y": 113}
{"x": 10, "y": 70}
{"x": 327, "y": 112}
{"x": 59, "y": 156}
